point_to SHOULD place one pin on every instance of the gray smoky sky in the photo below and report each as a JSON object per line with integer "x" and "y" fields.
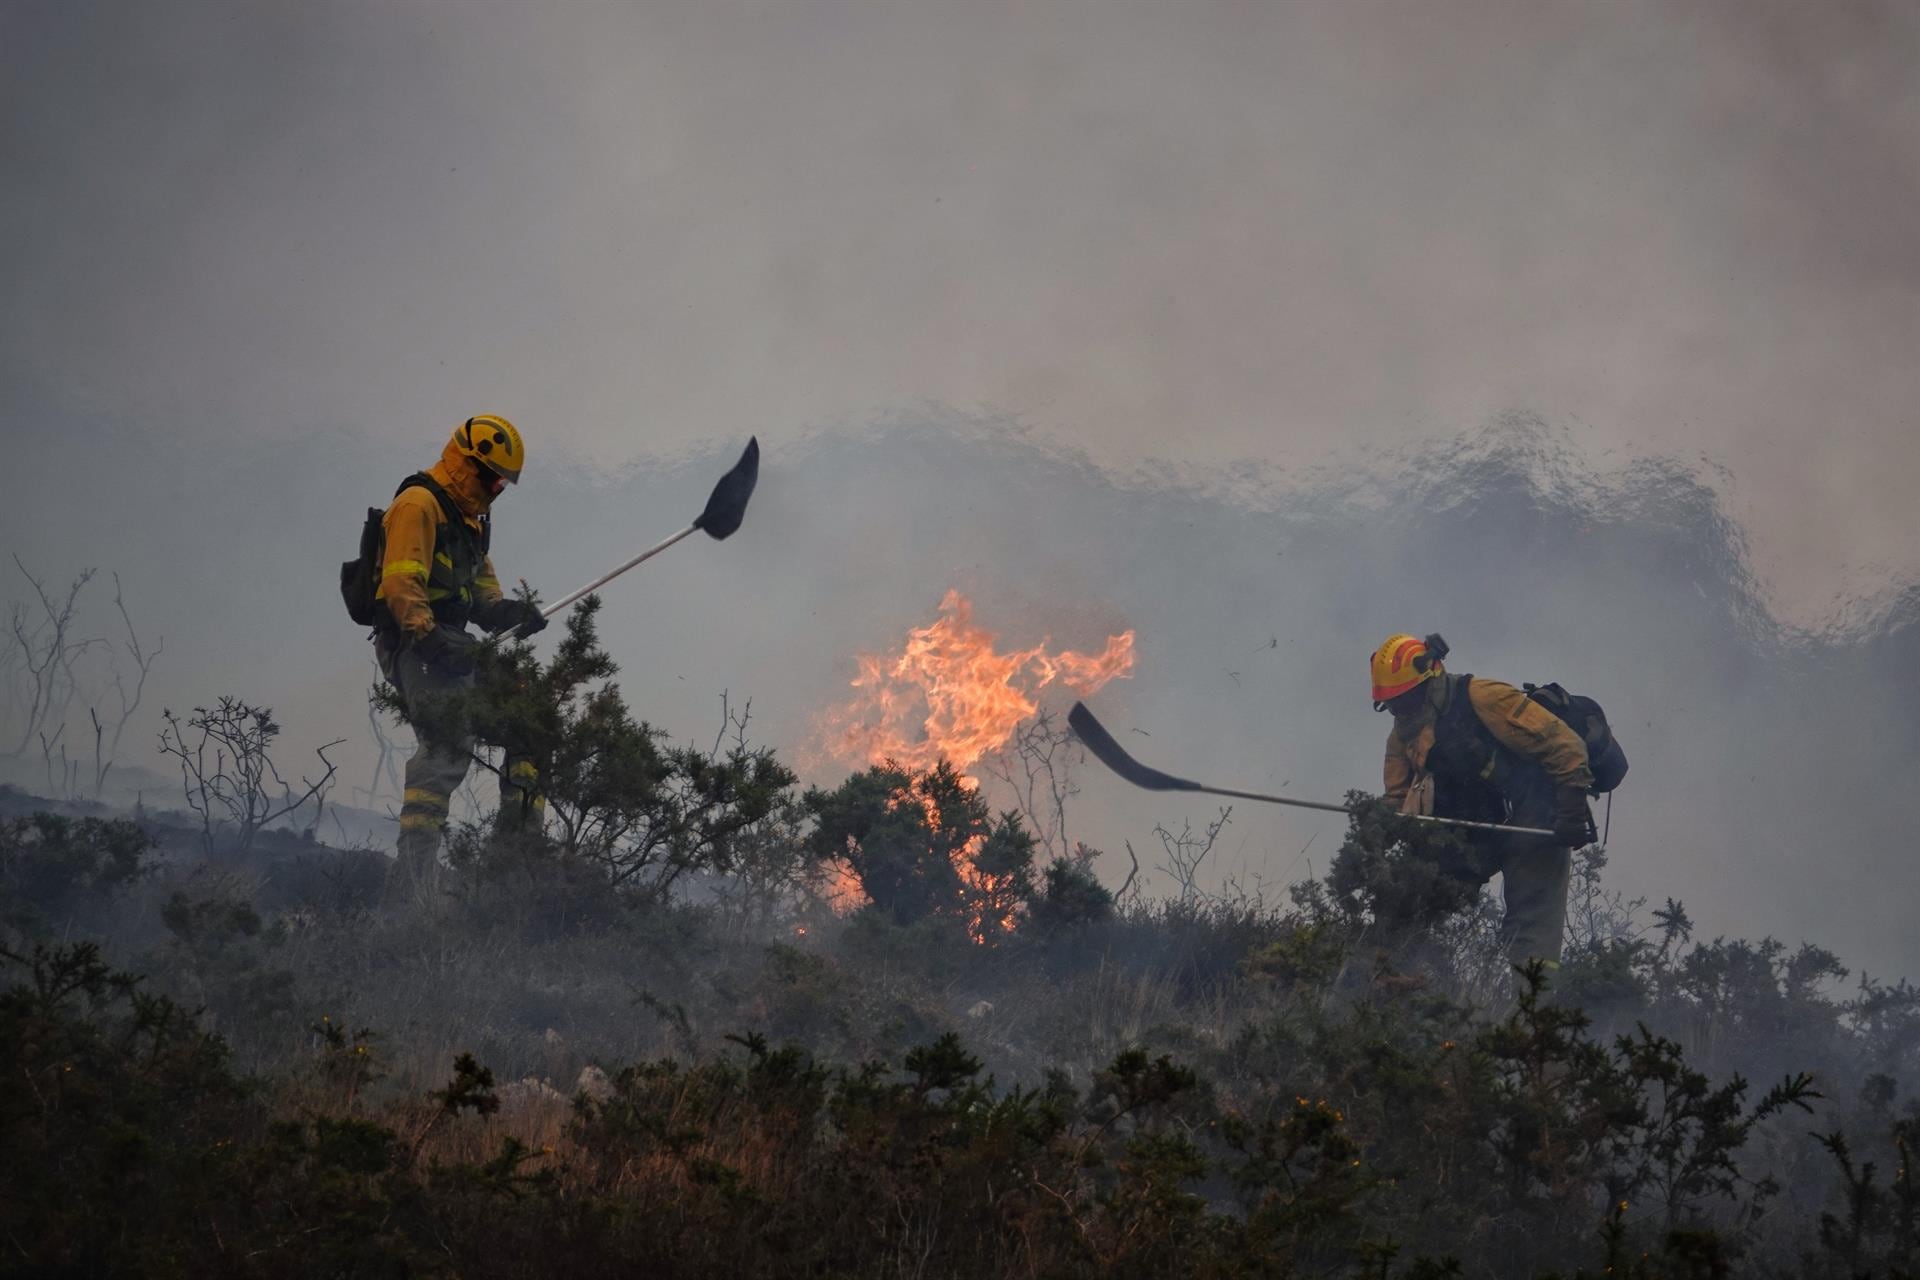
{"x": 1197, "y": 231}
{"x": 256, "y": 259}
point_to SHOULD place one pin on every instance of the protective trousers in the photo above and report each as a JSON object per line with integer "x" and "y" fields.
{"x": 437, "y": 768}
{"x": 1536, "y": 872}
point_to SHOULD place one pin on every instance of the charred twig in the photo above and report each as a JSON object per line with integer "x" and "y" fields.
{"x": 384, "y": 768}
{"x": 1186, "y": 850}
{"x": 230, "y": 788}
{"x": 129, "y": 702}
{"x": 1038, "y": 767}
{"x": 59, "y": 785}
{"x": 47, "y": 651}
{"x": 1133, "y": 872}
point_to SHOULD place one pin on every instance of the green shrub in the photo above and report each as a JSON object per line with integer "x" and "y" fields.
{"x": 54, "y": 868}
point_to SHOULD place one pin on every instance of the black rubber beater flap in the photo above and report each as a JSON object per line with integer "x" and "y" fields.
{"x": 728, "y": 504}
{"x": 1110, "y": 753}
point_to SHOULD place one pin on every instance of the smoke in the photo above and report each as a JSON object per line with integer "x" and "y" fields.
{"x": 1207, "y": 231}
{"x": 249, "y": 253}
{"x": 1762, "y": 791}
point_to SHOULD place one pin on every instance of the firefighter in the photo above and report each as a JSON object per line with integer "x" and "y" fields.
{"x": 435, "y": 577}
{"x": 1462, "y": 746}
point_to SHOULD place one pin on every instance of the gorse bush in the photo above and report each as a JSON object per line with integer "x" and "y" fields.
{"x": 1367, "y": 1145}
{"x": 1069, "y": 894}
{"x": 117, "y": 1117}
{"x": 618, "y": 809}
{"x": 53, "y": 868}
{"x": 632, "y": 1038}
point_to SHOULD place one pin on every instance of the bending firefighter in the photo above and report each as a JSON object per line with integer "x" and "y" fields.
{"x": 1466, "y": 747}
{"x": 435, "y": 577}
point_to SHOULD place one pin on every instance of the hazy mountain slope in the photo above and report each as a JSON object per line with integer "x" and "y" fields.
{"x": 1765, "y": 784}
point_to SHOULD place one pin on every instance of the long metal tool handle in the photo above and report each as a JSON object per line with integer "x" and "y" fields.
{"x": 1340, "y": 808}
{"x": 726, "y": 507}
{"x": 605, "y": 578}
{"x": 1110, "y": 753}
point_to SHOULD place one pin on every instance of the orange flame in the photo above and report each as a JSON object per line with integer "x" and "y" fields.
{"x": 949, "y": 695}
{"x": 840, "y": 888}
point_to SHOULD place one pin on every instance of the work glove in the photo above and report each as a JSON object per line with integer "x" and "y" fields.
{"x": 521, "y": 617}
{"x": 530, "y": 622}
{"x": 1572, "y": 824}
{"x": 451, "y": 649}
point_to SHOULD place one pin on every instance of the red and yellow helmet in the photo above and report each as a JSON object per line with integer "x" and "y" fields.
{"x": 494, "y": 443}
{"x": 1402, "y": 663}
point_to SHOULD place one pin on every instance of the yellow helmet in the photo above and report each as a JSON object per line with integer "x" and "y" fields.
{"x": 1405, "y": 662}
{"x": 494, "y": 443}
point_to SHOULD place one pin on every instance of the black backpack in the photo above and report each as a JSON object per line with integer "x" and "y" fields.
{"x": 360, "y": 577}
{"x": 1584, "y": 717}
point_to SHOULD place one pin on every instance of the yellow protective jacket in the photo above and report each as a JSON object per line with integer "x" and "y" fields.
{"x": 1518, "y": 723}
{"x": 423, "y": 575}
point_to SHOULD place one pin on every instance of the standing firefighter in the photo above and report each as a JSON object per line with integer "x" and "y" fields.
{"x": 1472, "y": 748}
{"x": 435, "y": 577}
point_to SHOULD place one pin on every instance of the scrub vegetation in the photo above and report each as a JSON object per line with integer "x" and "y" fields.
{"x": 659, "y": 1037}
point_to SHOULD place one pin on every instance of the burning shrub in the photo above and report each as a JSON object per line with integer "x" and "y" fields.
{"x": 926, "y": 844}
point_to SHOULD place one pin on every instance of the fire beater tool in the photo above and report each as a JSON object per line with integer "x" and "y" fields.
{"x": 726, "y": 507}
{"x": 1110, "y": 753}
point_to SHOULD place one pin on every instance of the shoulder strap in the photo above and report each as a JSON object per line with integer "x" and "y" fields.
{"x": 448, "y": 507}
{"x": 1459, "y": 718}
{"x": 421, "y": 480}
